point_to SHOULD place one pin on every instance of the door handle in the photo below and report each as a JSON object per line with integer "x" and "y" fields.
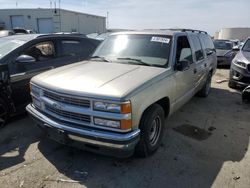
{"x": 195, "y": 71}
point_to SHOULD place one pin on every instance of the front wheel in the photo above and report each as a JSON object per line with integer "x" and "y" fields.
{"x": 3, "y": 113}
{"x": 151, "y": 126}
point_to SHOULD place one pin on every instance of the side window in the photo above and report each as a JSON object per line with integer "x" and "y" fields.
{"x": 70, "y": 48}
{"x": 183, "y": 50}
{"x": 87, "y": 48}
{"x": 207, "y": 42}
{"x": 197, "y": 48}
{"x": 41, "y": 51}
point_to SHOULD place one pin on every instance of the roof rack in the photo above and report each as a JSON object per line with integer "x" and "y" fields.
{"x": 188, "y": 30}
{"x": 62, "y": 34}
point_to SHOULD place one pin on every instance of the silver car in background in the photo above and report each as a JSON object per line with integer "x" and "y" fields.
{"x": 240, "y": 67}
{"x": 224, "y": 51}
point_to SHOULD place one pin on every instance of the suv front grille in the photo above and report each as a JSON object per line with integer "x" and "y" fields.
{"x": 68, "y": 115}
{"x": 67, "y": 100}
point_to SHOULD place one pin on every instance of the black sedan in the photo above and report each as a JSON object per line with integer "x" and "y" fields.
{"x": 24, "y": 56}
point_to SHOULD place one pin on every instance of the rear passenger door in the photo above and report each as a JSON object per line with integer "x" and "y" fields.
{"x": 199, "y": 60}
{"x": 74, "y": 50}
{"x": 184, "y": 79}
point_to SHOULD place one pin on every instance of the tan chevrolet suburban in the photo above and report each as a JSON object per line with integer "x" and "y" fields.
{"x": 118, "y": 101}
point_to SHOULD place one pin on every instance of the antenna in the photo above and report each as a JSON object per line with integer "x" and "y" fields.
{"x": 50, "y": 4}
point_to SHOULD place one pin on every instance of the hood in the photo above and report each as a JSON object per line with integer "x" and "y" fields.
{"x": 243, "y": 56}
{"x": 90, "y": 78}
{"x": 222, "y": 52}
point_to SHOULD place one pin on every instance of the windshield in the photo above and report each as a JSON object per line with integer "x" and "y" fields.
{"x": 6, "y": 46}
{"x": 246, "y": 46}
{"x": 141, "y": 49}
{"x": 223, "y": 45}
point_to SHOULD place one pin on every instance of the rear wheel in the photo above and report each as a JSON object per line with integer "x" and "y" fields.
{"x": 3, "y": 113}
{"x": 204, "y": 92}
{"x": 151, "y": 126}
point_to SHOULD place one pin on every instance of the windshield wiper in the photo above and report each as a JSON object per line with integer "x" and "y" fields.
{"x": 138, "y": 61}
{"x": 99, "y": 57}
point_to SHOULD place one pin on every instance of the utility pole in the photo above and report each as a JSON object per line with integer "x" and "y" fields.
{"x": 60, "y": 16}
{"x": 107, "y": 19}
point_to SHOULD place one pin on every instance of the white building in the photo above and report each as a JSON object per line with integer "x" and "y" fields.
{"x": 52, "y": 20}
{"x": 233, "y": 33}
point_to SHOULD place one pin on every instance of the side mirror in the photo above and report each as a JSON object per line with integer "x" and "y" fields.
{"x": 25, "y": 59}
{"x": 209, "y": 52}
{"x": 182, "y": 65}
{"x": 236, "y": 48}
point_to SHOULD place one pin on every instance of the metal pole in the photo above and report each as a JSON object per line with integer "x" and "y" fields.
{"x": 107, "y": 19}
{"x": 60, "y": 16}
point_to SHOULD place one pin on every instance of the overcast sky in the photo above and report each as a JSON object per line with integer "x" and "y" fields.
{"x": 209, "y": 15}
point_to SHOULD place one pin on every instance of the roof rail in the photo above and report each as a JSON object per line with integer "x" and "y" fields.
{"x": 62, "y": 34}
{"x": 188, "y": 30}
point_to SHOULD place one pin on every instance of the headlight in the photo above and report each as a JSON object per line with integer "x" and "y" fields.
{"x": 123, "y": 108}
{"x": 35, "y": 90}
{"x": 118, "y": 124}
{"x": 240, "y": 63}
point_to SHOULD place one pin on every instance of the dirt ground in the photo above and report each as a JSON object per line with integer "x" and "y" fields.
{"x": 206, "y": 144}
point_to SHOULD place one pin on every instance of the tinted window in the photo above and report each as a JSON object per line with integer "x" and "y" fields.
{"x": 197, "y": 48}
{"x": 223, "y": 45}
{"x": 70, "y": 48}
{"x": 183, "y": 51}
{"x": 42, "y": 51}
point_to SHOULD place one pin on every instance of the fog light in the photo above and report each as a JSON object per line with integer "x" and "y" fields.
{"x": 36, "y": 102}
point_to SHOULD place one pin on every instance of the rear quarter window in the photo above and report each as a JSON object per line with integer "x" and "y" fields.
{"x": 207, "y": 42}
{"x": 197, "y": 47}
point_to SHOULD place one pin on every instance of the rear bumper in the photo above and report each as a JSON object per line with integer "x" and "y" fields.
{"x": 114, "y": 144}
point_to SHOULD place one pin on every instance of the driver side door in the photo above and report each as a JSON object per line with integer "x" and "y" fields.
{"x": 44, "y": 53}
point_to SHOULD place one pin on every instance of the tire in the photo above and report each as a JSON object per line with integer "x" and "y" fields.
{"x": 204, "y": 92}
{"x": 232, "y": 84}
{"x": 151, "y": 126}
{"x": 3, "y": 113}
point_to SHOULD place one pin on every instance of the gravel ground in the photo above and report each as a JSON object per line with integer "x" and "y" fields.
{"x": 206, "y": 144}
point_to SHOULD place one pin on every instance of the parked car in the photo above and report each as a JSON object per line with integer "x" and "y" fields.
{"x": 23, "y": 56}
{"x": 19, "y": 30}
{"x": 240, "y": 67}
{"x": 5, "y": 33}
{"x": 224, "y": 51}
{"x": 117, "y": 102}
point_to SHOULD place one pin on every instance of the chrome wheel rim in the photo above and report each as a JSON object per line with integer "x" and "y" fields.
{"x": 154, "y": 133}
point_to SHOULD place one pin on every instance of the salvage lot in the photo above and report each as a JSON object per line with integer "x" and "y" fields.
{"x": 220, "y": 159}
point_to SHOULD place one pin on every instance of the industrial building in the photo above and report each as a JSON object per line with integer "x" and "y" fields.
{"x": 233, "y": 33}
{"x": 51, "y": 20}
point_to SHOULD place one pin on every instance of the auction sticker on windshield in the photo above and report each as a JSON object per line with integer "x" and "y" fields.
{"x": 160, "y": 39}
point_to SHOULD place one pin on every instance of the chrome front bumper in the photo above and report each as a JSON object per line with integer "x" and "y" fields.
{"x": 100, "y": 140}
